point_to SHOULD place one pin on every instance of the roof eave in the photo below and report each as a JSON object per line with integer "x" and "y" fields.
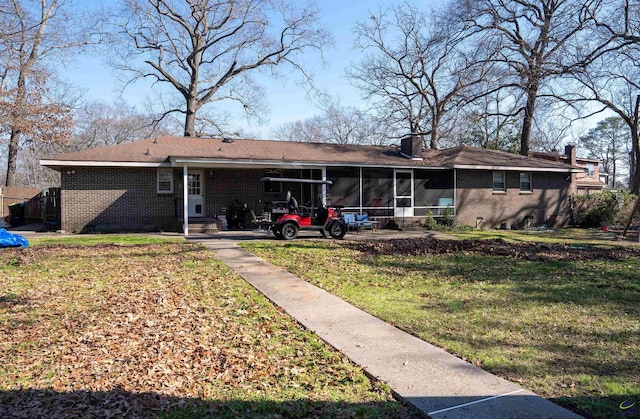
{"x": 569, "y": 169}
{"x": 87, "y": 163}
{"x": 266, "y": 164}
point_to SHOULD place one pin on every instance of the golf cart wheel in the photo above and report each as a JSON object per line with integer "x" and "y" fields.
{"x": 289, "y": 231}
{"x": 337, "y": 230}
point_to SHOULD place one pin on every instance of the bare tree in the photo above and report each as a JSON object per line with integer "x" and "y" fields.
{"x": 100, "y": 124}
{"x": 34, "y": 33}
{"x": 96, "y": 124}
{"x": 487, "y": 122}
{"x": 608, "y": 142}
{"x": 613, "y": 82}
{"x": 207, "y": 50}
{"x": 611, "y": 76}
{"x": 537, "y": 41}
{"x": 418, "y": 67}
{"x": 338, "y": 125}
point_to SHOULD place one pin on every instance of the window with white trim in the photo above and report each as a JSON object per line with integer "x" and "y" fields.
{"x": 591, "y": 169}
{"x": 499, "y": 182}
{"x": 525, "y": 182}
{"x": 164, "y": 181}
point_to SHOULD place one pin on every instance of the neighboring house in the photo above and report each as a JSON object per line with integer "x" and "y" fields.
{"x": 588, "y": 182}
{"x": 150, "y": 184}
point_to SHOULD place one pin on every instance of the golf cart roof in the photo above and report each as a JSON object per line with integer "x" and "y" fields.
{"x": 293, "y": 180}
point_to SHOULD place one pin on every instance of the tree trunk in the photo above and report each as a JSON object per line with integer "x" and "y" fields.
{"x": 190, "y": 118}
{"x": 614, "y": 172}
{"x": 635, "y": 156}
{"x": 12, "y": 158}
{"x": 527, "y": 123}
{"x": 634, "y": 181}
{"x": 14, "y": 140}
{"x": 435, "y": 133}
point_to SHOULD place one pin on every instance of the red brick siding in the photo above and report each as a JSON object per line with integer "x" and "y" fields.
{"x": 547, "y": 204}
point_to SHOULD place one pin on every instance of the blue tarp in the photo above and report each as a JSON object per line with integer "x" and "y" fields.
{"x": 12, "y": 240}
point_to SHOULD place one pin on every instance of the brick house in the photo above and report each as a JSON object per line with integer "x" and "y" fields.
{"x": 588, "y": 182}
{"x": 150, "y": 184}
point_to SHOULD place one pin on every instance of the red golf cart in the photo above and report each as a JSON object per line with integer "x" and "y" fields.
{"x": 285, "y": 218}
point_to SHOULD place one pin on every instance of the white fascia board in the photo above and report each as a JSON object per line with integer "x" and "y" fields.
{"x": 241, "y": 164}
{"x": 519, "y": 169}
{"x": 78, "y": 163}
{"x": 266, "y": 164}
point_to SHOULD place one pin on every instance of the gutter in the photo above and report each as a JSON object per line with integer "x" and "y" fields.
{"x": 180, "y": 162}
{"x": 569, "y": 169}
{"x": 82, "y": 163}
{"x": 266, "y": 164}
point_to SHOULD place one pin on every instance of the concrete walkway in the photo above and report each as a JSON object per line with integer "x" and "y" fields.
{"x": 437, "y": 383}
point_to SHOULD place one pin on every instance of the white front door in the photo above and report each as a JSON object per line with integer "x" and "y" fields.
{"x": 196, "y": 193}
{"x": 403, "y": 194}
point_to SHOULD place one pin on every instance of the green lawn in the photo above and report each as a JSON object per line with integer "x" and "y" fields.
{"x": 134, "y": 326}
{"x": 96, "y": 239}
{"x": 567, "y": 330}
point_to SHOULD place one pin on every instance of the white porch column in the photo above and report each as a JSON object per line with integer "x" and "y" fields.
{"x": 185, "y": 199}
{"x": 323, "y": 187}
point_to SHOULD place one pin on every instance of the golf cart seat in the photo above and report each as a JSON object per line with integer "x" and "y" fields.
{"x": 280, "y": 205}
{"x": 293, "y": 205}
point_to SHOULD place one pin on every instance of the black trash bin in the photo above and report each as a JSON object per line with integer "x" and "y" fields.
{"x": 16, "y": 214}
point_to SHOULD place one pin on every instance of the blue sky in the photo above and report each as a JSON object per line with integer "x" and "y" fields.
{"x": 286, "y": 100}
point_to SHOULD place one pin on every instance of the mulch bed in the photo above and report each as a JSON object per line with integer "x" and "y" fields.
{"x": 526, "y": 251}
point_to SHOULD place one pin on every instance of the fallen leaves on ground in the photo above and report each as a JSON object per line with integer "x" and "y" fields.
{"x": 116, "y": 331}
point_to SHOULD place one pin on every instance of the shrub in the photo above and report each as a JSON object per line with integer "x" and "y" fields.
{"x": 448, "y": 219}
{"x": 605, "y": 208}
{"x": 430, "y": 222}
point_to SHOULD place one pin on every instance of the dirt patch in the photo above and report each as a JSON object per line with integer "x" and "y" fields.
{"x": 526, "y": 251}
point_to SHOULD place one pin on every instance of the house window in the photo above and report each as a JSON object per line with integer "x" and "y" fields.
{"x": 164, "y": 181}
{"x": 590, "y": 169}
{"x": 525, "y": 182}
{"x": 499, "y": 184}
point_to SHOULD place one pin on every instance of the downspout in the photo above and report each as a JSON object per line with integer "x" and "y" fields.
{"x": 361, "y": 194}
{"x": 185, "y": 199}
{"x": 413, "y": 193}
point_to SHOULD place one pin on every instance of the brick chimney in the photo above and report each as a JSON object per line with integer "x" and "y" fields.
{"x": 411, "y": 147}
{"x": 570, "y": 151}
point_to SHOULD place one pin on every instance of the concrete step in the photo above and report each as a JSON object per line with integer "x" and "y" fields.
{"x": 203, "y": 228}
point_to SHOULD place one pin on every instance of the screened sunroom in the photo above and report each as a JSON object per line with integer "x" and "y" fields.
{"x": 392, "y": 192}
